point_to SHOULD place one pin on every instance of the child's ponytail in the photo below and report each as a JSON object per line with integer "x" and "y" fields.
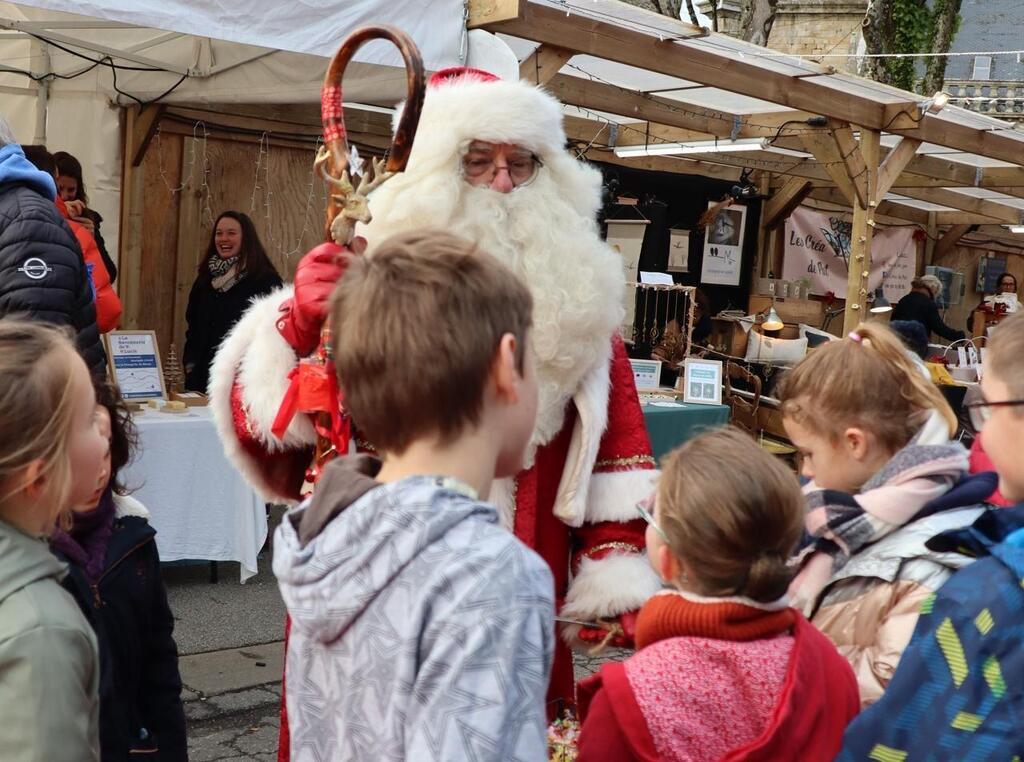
{"x": 36, "y": 408}
{"x": 869, "y": 380}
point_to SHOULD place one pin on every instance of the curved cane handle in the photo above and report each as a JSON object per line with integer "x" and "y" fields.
{"x": 332, "y": 108}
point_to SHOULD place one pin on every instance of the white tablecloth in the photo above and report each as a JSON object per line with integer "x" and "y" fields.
{"x": 198, "y": 503}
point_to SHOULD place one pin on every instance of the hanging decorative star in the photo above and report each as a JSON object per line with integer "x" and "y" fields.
{"x": 355, "y": 163}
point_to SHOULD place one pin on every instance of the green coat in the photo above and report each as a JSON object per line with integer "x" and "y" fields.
{"x": 49, "y": 667}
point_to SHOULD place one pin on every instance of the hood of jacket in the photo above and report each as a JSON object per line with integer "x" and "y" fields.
{"x": 977, "y": 540}
{"x": 23, "y": 560}
{"x": 15, "y": 168}
{"x": 343, "y": 547}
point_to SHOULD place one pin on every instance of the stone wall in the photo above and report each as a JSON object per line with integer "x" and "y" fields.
{"x": 816, "y": 27}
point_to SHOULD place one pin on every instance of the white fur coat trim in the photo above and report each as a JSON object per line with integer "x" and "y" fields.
{"x": 126, "y": 505}
{"x": 261, "y": 359}
{"x": 608, "y": 587}
{"x": 591, "y": 402}
{"x": 614, "y": 494}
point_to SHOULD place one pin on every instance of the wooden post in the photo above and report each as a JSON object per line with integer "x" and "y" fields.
{"x": 190, "y": 239}
{"x": 136, "y": 138}
{"x": 929, "y": 242}
{"x": 861, "y": 234}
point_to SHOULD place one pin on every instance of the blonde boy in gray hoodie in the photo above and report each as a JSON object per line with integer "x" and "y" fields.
{"x": 421, "y": 630}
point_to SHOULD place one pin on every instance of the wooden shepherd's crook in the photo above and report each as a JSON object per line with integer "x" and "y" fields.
{"x": 348, "y": 203}
{"x": 336, "y": 149}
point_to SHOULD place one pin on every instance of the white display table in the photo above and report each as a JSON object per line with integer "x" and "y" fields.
{"x": 199, "y": 504}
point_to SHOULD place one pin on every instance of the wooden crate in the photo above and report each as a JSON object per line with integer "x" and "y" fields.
{"x": 793, "y": 311}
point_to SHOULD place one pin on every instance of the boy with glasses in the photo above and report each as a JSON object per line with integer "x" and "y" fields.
{"x": 960, "y": 684}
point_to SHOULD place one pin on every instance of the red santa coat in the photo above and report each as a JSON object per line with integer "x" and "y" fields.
{"x": 575, "y": 505}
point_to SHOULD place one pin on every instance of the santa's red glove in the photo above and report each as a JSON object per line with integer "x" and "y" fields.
{"x": 318, "y": 272}
{"x": 598, "y": 635}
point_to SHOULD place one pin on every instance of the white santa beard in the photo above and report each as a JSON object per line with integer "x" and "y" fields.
{"x": 576, "y": 280}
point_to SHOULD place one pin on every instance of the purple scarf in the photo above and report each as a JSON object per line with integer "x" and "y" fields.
{"x": 86, "y": 544}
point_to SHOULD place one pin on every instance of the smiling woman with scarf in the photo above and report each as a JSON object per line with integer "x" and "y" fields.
{"x": 234, "y": 271}
{"x": 114, "y": 576}
{"x": 885, "y": 477}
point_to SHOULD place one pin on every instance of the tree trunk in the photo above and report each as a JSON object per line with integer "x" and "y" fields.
{"x": 943, "y": 27}
{"x": 874, "y": 40}
{"x": 757, "y": 20}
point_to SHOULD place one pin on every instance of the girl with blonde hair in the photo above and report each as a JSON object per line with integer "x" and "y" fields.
{"x": 875, "y": 438}
{"x": 50, "y": 452}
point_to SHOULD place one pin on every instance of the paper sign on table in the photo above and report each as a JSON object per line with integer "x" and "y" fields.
{"x": 656, "y": 279}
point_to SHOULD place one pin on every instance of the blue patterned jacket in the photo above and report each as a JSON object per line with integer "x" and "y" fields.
{"x": 958, "y": 693}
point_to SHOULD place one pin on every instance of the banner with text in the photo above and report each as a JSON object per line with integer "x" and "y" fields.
{"x": 818, "y": 247}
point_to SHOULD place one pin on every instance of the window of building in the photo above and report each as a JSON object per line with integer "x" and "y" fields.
{"x": 982, "y": 68}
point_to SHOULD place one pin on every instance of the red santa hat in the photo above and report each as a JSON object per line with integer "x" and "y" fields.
{"x": 463, "y": 104}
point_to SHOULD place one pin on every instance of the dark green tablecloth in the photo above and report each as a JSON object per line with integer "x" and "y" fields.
{"x": 669, "y": 427}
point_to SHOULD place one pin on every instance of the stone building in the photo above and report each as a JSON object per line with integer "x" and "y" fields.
{"x": 986, "y": 81}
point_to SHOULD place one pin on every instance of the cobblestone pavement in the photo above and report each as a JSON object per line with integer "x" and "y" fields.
{"x": 243, "y": 725}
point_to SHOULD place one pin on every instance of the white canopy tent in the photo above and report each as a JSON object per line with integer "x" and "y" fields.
{"x": 65, "y": 76}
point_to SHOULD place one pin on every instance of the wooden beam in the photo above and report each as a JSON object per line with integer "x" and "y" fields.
{"x": 949, "y": 239}
{"x": 144, "y": 124}
{"x": 983, "y": 207}
{"x": 482, "y": 13}
{"x": 826, "y": 151}
{"x": 887, "y": 212}
{"x": 544, "y": 63}
{"x": 696, "y": 63}
{"x": 601, "y": 96}
{"x": 960, "y": 218}
{"x": 853, "y": 160}
{"x": 934, "y": 171}
{"x": 665, "y": 51}
{"x": 870, "y": 150}
{"x": 894, "y": 163}
{"x": 785, "y": 200}
{"x": 995, "y": 144}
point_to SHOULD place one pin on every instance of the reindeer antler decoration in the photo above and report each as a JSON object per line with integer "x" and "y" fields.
{"x": 348, "y": 203}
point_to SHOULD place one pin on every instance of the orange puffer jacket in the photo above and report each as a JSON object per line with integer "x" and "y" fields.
{"x": 108, "y": 304}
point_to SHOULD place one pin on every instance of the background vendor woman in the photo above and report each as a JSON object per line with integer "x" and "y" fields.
{"x": 234, "y": 271}
{"x": 920, "y": 305}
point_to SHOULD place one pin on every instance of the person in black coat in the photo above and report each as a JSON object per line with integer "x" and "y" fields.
{"x": 234, "y": 271}
{"x": 920, "y": 305}
{"x": 42, "y": 272}
{"x": 114, "y": 576}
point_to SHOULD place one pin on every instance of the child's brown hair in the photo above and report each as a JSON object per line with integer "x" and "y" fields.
{"x": 416, "y": 329}
{"x": 733, "y": 513}
{"x": 867, "y": 380}
{"x": 36, "y": 409}
{"x": 1005, "y": 355}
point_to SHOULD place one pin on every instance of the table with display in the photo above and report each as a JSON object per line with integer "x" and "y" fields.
{"x": 671, "y": 424}
{"x": 198, "y": 503}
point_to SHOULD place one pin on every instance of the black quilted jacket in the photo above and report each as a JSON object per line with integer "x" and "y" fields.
{"x": 42, "y": 274}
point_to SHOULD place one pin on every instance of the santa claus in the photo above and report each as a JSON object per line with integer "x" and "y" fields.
{"x": 489, "y": 163}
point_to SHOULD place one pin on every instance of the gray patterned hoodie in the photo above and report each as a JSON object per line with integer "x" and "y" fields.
{"x": 421, "y": 630}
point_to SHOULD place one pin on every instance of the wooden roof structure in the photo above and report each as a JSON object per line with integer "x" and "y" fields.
{"x": 636, "y": 79}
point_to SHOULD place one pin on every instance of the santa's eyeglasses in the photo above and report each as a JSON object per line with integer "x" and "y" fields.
{"x": 482, "y": 163}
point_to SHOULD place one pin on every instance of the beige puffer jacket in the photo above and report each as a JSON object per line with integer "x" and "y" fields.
{"x": 869, "y": 608}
